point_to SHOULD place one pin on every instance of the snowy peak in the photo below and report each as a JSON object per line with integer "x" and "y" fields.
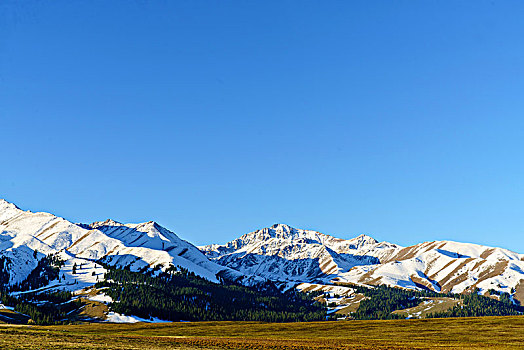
{"x": 284, "y": 253}
{"x": 282, "y": 235}
{"x": 133, "y": 245}
{"x": 279, "y": 252}
{"x": 365, "y": 238}
{"x": 6, "y": 204}
{"x": 446, "y": 266}
{"x": 283, "y": 232}
{"x": 7, "y": 209}
{"x": 149, "y": 231}
{"x": 278, "y": 231}
{"x": 108, "y": 222}
{"x": 361, "y": 242}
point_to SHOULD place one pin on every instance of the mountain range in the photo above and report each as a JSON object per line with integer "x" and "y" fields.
{"x": 288, "y": 256}
{"x": 283, "y": 253}
{"x": 26, "y": 236}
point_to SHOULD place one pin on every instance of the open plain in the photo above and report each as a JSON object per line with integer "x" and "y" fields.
{"x": 457, "y": 333}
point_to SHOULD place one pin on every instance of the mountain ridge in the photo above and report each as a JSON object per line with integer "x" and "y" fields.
{"x": 286, "y": 254}
{"x": 279, "y": 253}
{"x": 134, "y": 245}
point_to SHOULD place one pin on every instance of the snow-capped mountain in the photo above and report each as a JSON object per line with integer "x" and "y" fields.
{"x": 279, "y": 253}
{"x": 283, "y": 253}
{"x": 286, "y": 254}
{"x": 26, "y": 236}
{"x": 446, "y": 266}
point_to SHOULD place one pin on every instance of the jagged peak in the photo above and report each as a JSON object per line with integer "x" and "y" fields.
{"x": 365, "y": 238}
{"x": 148, "y": 226}
{"x": 108, "y": 222}
{"x": 7, "y": 204}
{"x": 141, "y": 226}
{"x": 284, "y": 232}
{"x": 284, "y": 235}
{"x": 280, "y": 226}
{"x": 152, "y": 224}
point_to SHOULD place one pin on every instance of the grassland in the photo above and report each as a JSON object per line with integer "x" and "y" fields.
{"x": 464, "y": 333}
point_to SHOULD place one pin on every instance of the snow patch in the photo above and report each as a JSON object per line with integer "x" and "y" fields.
{"x": 102, "y": 298}
{"x": 114, "y": 317}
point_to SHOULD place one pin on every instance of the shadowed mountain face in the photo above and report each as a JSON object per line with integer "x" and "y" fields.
{"x": 283, "y": 253}
{"x": 147, "y": 235}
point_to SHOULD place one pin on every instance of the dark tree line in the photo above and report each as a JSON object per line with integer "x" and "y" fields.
{"x": 381, "y": 301}
{"x": 5, "y": 263}
{"x": 46, "y": 270}
{"x": 42, "y": 308}
{"x": 474, "y": 305}
{"x": 178, "y": 294}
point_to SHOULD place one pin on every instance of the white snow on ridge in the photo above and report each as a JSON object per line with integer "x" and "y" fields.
{"x": 280, "y": 253}
{"x": 289, "y": 255}
{"x": 114, "y": 317}
{"x": 284, "y": 253}
{"x": 135, "y": 245}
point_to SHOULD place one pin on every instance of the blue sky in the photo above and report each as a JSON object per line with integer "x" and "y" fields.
{"x": 399, "y": 119}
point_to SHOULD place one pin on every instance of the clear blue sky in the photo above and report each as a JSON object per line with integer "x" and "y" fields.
{"x": 400, "y": 119}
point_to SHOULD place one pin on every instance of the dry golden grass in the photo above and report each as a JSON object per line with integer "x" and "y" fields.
{"x": 93, "y": 309}
{"x": 464, "y": 333}
{"x": 352, "y": 304}
{"x": 432, "y": 305}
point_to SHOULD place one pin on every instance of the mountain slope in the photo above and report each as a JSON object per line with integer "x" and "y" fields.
{"x": 292, "y": 255}
{"x": 445, "y": 266}
{"x": 288, "y": 254}
{"x": 279, "y": 253}
{"x": 22, "y": 233}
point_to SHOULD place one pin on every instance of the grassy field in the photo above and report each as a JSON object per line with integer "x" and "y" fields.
{"x": 465, "y": 333}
